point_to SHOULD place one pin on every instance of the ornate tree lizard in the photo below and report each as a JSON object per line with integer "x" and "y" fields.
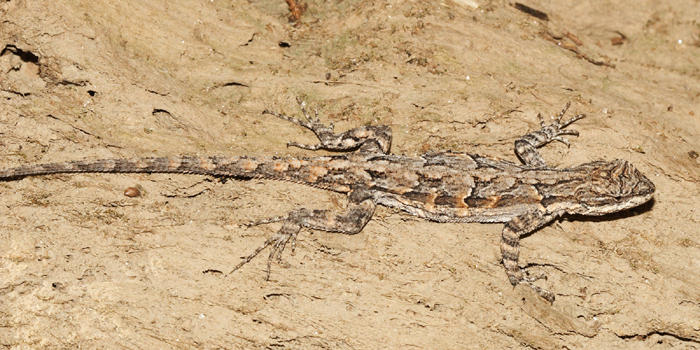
{"x": 440, "y": 186}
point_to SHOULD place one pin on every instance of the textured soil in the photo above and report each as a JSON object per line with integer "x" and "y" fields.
{"x": 83, "y": 265}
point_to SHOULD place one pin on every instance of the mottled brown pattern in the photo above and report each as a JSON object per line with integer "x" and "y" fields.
{"x": 442, "y": 187}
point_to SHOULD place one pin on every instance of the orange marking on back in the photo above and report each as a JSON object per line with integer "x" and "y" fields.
{"x": 205, "y": 163}
{"x": 318, "y": 170}
{"x": 295, "y": 163}
{"x": 462, "y": 212}
{"x": 249, "y": 165}
{"x": 173, "y": 163}
{"x": 315, "y": 172}
{"x": 430, "y": 201}
{"x": 492, "y": 201}
{"x": 459, "y": 200}
{"x": 280, "y": 167}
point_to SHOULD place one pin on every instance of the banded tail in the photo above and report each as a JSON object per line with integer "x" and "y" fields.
{"x": 310, "y": 171}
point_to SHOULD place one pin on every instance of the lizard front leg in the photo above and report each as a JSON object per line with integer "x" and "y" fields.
{"x": 375, "y": 139}
{"x": 510, "y": 248}
{"x": 526, "y": 146}
{"x": 351, "y": 221}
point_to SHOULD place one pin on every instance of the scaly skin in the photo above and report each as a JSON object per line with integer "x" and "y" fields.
{"x": 441, "y": 187}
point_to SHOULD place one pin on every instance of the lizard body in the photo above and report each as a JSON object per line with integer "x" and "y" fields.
{"x": 441, "y": 187}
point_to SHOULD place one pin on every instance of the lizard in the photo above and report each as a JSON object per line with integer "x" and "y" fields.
{"x": 436, "y": 186}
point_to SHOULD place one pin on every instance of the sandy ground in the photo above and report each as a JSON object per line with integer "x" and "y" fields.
{"x": 82, "y": 265}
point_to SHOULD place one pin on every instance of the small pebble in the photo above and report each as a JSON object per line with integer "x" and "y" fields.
{"x": 132, "y": 192}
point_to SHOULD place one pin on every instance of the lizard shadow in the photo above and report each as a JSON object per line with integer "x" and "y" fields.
{"x": 640, "y": 209}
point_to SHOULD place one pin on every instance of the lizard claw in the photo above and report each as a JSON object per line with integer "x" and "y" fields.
{"x": 555, "y": 130}
{"x": 531, "y": 279}
{"x": 540, "y": 118}
{"x": 547, "y": 295}
{"x": 264, "y": 221}
{"x": 305, "y": 146}
{"x": 287, "y": 234}
{"x": 562, "y": 140}
{"x": 314, "y": 120}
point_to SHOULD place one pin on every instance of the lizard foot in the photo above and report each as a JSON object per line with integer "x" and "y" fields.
{"x": 544, "y": 293}
{"x": 555, "y": 131}
{"x": 312, "y": 123}
{"x": 287, "y": 234}
{"x": 375, "y": 138}
{"x": 526, "y": 146}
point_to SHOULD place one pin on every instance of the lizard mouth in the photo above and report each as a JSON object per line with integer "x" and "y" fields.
{"x": 637, "y": 200}
{"x": 619, "y": 204}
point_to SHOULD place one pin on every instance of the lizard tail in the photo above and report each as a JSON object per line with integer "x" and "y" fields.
{"x": 182, "y": 165}
{"x": 309, "y": 171}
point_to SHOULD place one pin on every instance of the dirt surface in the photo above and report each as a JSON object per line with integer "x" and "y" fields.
{"x": 82, "y": 265}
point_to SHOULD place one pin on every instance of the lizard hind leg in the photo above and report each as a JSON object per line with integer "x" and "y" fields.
{"x": 363, "y": 139}
{"x": 349, "y": 221}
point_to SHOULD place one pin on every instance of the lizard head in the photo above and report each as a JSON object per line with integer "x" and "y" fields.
{"x": 611, "y": 187}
